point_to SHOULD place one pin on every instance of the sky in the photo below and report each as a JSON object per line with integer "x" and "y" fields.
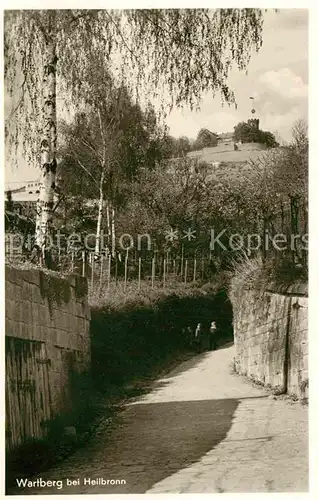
{"x": 277, "y": 79}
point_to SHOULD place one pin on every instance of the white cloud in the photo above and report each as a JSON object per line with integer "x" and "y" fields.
{"x": 186, "y": 123}
{"x": 285, "y": 82}
{"x": 283, "y": 123}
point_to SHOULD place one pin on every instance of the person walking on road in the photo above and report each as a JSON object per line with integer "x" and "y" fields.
{"x": 212, "y": 336}
{"x": 189, "y": 336}
{"x": 197, "y": 336}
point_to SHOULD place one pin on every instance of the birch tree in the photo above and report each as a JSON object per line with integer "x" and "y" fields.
{"x": 181, "y": 52}
{"x": 104, "y": 150}
{"x": 91, "y": 144}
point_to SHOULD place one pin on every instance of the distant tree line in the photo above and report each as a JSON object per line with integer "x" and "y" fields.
{"x": 183, "y": 145}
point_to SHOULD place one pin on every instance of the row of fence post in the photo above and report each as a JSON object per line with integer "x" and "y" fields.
{"x": 98, "y": 270}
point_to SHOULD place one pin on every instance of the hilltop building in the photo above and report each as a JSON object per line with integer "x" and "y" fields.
{"x": 225, "y": 138}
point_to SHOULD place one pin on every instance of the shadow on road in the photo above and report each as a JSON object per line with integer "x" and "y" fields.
{"x": 148, "y": 443}
{"x": 171, "y": 436}
{"x": 152, "y": 441}
{"x": 184, "y": 366}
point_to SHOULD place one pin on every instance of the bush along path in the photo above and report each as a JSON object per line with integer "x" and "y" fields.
{"x": 201, "y": 429}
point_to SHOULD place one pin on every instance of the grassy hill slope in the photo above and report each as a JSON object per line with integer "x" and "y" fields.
{"x": 227, "y": 163}
{"x": 226, "y": 153}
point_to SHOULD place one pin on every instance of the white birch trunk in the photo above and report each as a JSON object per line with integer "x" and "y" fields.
{"x": 113, "y": 232}
{"x": 108, "y": 222}
{"x": 99, "y": 218}
{"x": 48, "y": 141}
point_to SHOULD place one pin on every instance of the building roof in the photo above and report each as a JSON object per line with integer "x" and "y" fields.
{"x": 226, "y": 135}
{"x": 209, "y": 132}
{"x": 26, "y": 192}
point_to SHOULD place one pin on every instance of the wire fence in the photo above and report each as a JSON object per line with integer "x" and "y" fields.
{"x": 104, "y": 271}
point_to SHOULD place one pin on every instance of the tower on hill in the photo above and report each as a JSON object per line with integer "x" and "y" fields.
{"x": 254, "y": 123}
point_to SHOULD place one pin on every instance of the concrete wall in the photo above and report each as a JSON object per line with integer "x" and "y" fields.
{"x": 47, "y": 322}
{"x": 271, "y": 337}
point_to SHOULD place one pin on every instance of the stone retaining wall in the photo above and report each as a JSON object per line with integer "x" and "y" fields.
{"x": 271, "y": 337}
{"x": 47, "y": 321}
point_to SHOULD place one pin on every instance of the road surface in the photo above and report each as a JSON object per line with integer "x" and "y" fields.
{"x": 201, "y": 429}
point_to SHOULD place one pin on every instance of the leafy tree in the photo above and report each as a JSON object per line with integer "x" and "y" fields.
{"x": 169, "y": 146}
{"x": 292, "y": 177}
{"x": 244, "y": 132}
{"x": 268, "y": 139}
{"x": 248, "y": 132}
{"x": 183, "y": 146}
{"x": 205, "y": 139}
{"x": 188, "y": 52}
{"x": 18, "y": 222}
{"x": 273, "y": 194}
{"x": 180, "y": 195}
{"x": 300, "y": 136}
{"x": 175, "y": 148}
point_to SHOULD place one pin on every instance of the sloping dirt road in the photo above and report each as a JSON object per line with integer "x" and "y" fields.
{"x": 200, "y": 430}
